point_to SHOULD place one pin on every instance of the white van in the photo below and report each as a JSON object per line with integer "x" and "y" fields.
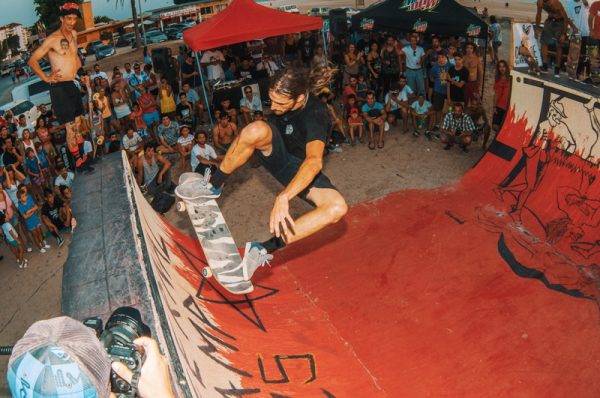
{"x": 24, "y": 107}
{"x": 290, "y": 8}
{"x": 35, "y": 90}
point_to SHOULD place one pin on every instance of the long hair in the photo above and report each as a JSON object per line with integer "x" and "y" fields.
{"x": 500, "y": 75}
{"x": 293, "y": 82}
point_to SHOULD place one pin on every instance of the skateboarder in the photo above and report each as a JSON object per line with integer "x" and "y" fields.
{"x": 291, "y": 148}
{"x": 61, "y": 49}
{"x": 555, "y": 28}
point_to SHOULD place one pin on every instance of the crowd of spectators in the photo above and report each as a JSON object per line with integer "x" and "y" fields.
{"x": 426, "y": 85}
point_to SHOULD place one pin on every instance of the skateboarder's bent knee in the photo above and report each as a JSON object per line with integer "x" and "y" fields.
{"x": 256, "y": 134}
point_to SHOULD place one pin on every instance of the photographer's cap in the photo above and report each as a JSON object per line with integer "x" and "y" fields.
{"x": 59, "y": 357}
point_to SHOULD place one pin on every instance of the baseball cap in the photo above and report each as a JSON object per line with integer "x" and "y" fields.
{"x": 56, "y": 358}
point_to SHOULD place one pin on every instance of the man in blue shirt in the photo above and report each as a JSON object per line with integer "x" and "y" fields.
{"x": 439, "y": 77}
{"x": 136, "y": 79}
{"x": 374, "y": 116}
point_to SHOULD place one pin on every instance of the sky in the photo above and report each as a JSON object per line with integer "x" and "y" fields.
{"x": 23, "y": 12}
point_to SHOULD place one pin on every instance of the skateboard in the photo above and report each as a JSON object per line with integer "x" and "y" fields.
{"x": 212, "y": 232}
{"x": 573, "y": 57}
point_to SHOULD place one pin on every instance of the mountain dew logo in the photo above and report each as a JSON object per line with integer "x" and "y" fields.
{"x": 473, "y": 30}
{"x": 367, "y": 24}
{"x": 420, "y": 5}
{"x": 420, "y": 26}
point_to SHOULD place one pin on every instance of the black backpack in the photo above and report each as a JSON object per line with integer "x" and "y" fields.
{"x": 162, "y": 202}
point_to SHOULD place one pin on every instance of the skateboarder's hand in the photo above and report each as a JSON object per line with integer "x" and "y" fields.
{"x": 280, "y": 217}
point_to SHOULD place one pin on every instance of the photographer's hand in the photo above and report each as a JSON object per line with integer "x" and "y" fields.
{"x": 154, "y": 377}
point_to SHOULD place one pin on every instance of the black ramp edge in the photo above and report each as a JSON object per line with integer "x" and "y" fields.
{"x": 102, "y": 271}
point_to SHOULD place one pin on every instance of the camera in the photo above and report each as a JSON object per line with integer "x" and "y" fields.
{"x": 122, "y": 328}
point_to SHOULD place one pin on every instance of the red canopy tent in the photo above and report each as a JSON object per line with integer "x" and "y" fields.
{"x": 244, "y": 20}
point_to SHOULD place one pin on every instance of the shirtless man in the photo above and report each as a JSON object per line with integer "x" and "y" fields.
{"x": 473, "y": 64}
{"x": 61, "y": 49}
{"x": 555, "y": 28}
{"x": 224, "y": 133}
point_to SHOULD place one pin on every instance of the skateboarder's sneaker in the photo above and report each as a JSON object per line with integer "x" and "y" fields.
{"x": 255, "y": 256}
{"x": 196, "y": 189}
{"x": 236, "y": 285}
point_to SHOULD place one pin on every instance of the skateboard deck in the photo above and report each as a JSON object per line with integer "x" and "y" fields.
{"x": 573, "y": 57}
{"x": 213, "y": 234}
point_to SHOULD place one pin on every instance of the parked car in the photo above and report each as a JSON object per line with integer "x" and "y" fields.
{"x": 34, "y": 90}
{"x": 91, "y": 47}
{"x": 7, "y": 69}
{"x": 27, "y": 108}
{"x": 289, "y": 8}
{"x": 126, "y": 40}
{"x": 154, "y": 37}
{"x": 182, "y": 25}
{"x": 174, "y": 33}
{"x": 351, "y": 11}
{"x": 319, "y": 12}
{"x": 104, "y": 51}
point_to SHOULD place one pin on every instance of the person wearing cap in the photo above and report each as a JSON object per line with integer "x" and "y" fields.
{"x": 61, "y": 357}
{"x": 457, "y": 128}
{"x": 422, "y": 114}
{"x": 396, "y": 102}
{"x": 355, "y": 125}
{"x": 258, "y": 115}
{"x": 137, "y": 79}
{"x": 249, "y": 104}
{"x": 60, "y": 47}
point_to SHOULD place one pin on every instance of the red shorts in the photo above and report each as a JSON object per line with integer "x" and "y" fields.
{"x": 472, "y": 89}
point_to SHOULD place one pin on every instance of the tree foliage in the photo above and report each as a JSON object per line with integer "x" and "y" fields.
{"x": 102, "y": 19}
{"x": 48, "y": 10}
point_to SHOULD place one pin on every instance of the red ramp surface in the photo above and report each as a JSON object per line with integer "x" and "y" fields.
{"x": 485, "y": 289}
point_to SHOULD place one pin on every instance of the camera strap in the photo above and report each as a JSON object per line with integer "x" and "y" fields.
{"x": 135, "y": 379}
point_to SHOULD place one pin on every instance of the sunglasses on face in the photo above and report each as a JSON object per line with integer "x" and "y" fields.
{"x": 248, "y": 92}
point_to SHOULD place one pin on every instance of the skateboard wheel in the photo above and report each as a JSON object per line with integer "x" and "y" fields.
{"x": 207, "y": 272}
{"x": 180, "y": 206}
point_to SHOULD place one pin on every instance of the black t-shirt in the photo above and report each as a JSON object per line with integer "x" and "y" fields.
{"x": 187, "y": 69}
{"x": 457, "y": 94}
{"x": 307, "y": 48}
{"x": 113, "y": 146}
{"x": 52, "y": 211}
{"x": 245, "y": 72}
{"x": 9, "y": 158}
{"x": 300, "y": 127}
{"x": 184, "y": 111}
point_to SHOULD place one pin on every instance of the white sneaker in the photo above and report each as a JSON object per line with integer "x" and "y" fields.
{"x": 255, "y": 256}
{"x": 42, "y": 250}
{"x": 29, "y": 250}
{"x": 386, "y": 126}
{"x": 20, "y": 265}
{"x": 46, "y": 246}
{"x": 26, "y": 263}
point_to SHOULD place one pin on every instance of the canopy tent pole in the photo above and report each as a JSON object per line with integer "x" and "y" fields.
{"x": 485, "y": 51}
{"x": 204, "y": 91}
{"x": 324, "y": 41}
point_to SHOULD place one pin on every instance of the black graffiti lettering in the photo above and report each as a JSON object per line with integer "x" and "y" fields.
{"x": 277, "y": 395}
{"x": 189, "y": 302}
{"x": 233, "y": 391}
{"x": 159, "y": 247}
{"x": 284, "y": 377}
{"x": 327, "y": 393}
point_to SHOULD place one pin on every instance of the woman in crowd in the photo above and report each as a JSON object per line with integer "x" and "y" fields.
{"x": 374, "y": 67}
{"x": 353, "y": 60}
{"x": 120, "y": 99}
{"x": 43, "y": 134}
{"x": 501, "y": 96}
{"x": 167, "y": 99}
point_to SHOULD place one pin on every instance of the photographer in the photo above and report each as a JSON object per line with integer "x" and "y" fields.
{"x": 64, "y": 345}
{"x": 457, "y": 128}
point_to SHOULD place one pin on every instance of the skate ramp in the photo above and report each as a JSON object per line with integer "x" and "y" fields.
{"x": 488, "y": 288}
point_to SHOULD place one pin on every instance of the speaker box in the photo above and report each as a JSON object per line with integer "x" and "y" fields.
{"x": 159, "y": 59}
{"x": 338, "y": 22}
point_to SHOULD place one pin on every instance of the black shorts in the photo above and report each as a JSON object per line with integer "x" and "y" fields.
{"x": 437, "y": 100}
{"x": 66, "y": 101}
{"x": 284, "y": 166}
